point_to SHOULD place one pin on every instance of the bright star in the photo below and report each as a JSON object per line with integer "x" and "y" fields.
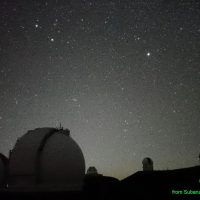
{"x": 148, "y": 54}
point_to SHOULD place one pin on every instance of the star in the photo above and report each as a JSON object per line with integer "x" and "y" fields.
{"x": 16, "y": 101}
{"x": 74, "y": 99}
{"x": 148, "y": 54}
{"x": 126, "y": 122}
{"x": 52, "y": 39}
{"x": 36, "y": 25}
{"x": 125, "y": 130}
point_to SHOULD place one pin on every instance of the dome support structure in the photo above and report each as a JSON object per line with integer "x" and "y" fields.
{"x": 38, "y": 156}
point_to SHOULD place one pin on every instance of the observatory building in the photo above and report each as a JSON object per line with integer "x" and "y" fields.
{"x": 92, "y": 171}
{"x": 147, "y": 164}
{"x": 46, "y": 158}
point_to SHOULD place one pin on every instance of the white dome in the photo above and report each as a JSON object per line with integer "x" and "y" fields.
{"x": 147, "y": 164}
{"x": 47, "y": 157}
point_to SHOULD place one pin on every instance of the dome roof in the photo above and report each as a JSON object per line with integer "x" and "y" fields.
{"x": 92, "y": 171}
{"x": 47, "y": 157}
{"x": 147, "y": 161}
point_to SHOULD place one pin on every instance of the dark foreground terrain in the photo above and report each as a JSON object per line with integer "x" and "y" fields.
{"x": 179, "y": 184}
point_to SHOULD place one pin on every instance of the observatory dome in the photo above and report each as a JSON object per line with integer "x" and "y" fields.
{"x": 92, "y": 171}
{"x": 147, "y": 164}
{"x": 47, "y": 157}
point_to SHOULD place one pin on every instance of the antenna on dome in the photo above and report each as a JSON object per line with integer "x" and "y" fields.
{"x": 60, "y": 127}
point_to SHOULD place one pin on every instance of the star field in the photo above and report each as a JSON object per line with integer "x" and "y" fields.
{"x": 123, "y": 76}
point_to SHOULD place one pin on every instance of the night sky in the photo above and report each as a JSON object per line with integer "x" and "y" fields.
{"x": 122, "y": 75}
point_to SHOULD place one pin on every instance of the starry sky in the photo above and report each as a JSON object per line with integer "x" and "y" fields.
{"x": 123, "y": 76}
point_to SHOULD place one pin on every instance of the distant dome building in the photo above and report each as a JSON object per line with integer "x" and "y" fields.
{"x": 3, "y": 169}
{"x": 92, "y": 171}
{"x": 47, "y": 157}
{"x": 147, "y": 164}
